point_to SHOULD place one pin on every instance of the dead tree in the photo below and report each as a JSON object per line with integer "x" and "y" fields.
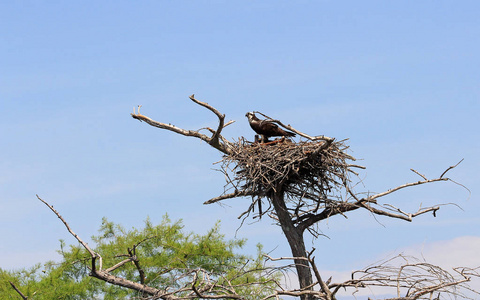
{"x": 298, "y": 184}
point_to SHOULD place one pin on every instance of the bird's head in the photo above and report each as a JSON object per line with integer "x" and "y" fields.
{"x": 250, "y": 115}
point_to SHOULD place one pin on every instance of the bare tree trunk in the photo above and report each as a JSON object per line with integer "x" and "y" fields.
{"x": 295, "y": 239}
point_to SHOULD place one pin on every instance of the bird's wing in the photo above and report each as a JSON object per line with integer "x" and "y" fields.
{"x": 269, "y": 126}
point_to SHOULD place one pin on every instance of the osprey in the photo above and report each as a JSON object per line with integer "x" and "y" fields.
{"x": 266, "y": 128}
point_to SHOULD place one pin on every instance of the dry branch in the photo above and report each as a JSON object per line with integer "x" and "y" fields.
{"x": 216, "y": 140}
{"x": 18, "y": 291}
{"x": 405, "y": 186}
{"x": 228, "y": 196}
{"x": 405, "y": 276}
{"x": 449, "y": 168}
{"x": 85, "y": 245}
{"x": 410, "y": 279}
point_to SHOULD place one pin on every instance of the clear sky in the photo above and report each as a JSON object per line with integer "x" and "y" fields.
{"x": 400, "y": 79}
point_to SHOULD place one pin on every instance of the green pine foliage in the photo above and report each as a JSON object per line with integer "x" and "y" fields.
{"x": 163, "y": 253}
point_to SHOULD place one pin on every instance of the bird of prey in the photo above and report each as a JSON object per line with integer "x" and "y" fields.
{"x": 266, "y": 128}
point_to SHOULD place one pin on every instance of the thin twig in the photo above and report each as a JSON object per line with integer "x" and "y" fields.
{"x": 85, "y": 245}
{"x": 419, "y": 174}
{"x": 451, "y": 167}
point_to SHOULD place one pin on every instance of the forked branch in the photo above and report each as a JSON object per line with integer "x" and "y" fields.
{"x": 411, "y": 279}
{"x": 216, "y": 140}
{"x": 404, "y": 276}
{"x": 371, "y": 204}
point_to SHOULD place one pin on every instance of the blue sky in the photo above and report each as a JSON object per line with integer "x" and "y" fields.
{"x": 399, "y": 79}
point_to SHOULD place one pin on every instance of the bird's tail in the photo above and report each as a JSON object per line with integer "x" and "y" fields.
{"x": 288, "y": 133}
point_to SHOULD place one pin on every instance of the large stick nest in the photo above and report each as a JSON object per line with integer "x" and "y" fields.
{"x": 314, "y": 170}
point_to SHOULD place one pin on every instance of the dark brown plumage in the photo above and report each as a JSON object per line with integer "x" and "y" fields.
{"x": 266, "y": 128}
